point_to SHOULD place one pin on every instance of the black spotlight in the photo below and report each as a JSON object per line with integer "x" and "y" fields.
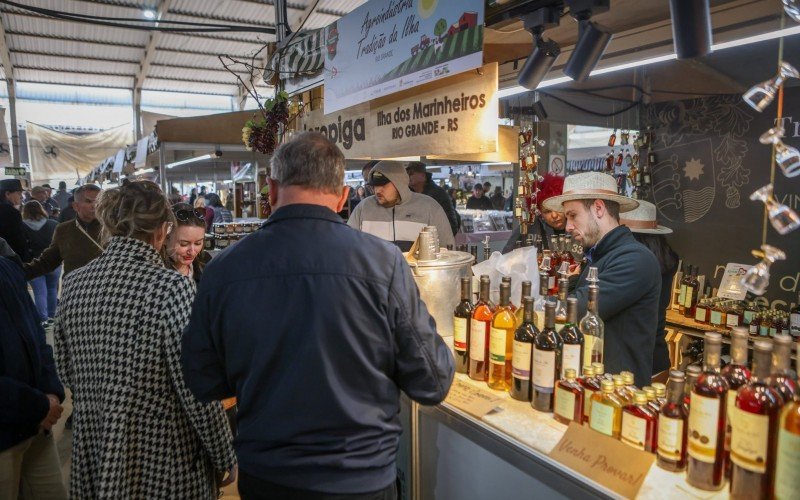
{"x": 545, "y": 52}
{"x": 691, "y": 27}
{"x": 592, "y": 42}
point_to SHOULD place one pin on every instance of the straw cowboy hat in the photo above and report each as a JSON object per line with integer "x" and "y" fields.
{"x": 590, "y": 186}
{"x": 643, "y": 220}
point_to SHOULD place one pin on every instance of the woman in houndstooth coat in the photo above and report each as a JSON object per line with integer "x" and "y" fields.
{"x": 138, "y": 431}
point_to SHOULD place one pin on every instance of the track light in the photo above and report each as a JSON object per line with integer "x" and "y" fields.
{"x": 592, "y": 39}
{"x": 691, "y": 27}
{"x": 545, "y": 52}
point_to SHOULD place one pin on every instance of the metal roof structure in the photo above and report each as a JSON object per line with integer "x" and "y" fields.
{"x": 41, "y": 49}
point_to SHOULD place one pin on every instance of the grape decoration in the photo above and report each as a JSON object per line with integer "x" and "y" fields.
{"x": 263, "y": 135}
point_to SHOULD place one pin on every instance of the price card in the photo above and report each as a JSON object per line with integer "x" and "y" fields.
{"x": 731, "y": 286}
{"x": 477, "y": 402}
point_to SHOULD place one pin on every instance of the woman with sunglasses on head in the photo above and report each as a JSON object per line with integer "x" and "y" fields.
{"x": 184, "y": 248}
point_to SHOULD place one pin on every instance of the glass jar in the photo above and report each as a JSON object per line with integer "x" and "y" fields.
{"x": 222, "y": 242}
{"x": 208, "y": 243}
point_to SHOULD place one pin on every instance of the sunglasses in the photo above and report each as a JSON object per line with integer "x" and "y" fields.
{"x": 184, "y": 215}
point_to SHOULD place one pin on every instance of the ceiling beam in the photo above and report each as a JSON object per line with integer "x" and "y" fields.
{"x": 152, "y": 46}
{"x": 5, "y": 53}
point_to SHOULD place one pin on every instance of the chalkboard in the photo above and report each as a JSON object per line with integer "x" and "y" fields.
{"x": 708, "y": 162}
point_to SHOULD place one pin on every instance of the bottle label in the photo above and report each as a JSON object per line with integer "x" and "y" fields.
{"x": 460, "y": 334}
{"x": 700, "y": 314}
{"x": 703, "y": 428}
{"x": 587, "y": 401}
{"x": 763, "y": 330}
{"x": 689, "y": 297}
{"x": 588, "y": 344}
{"x": 749, "y": 441}
{"x": 773, "y": 330}
{"x": 571, "y": 358}
{"x": 733, "y": 320}
{"x": 716, "y": 318}
{"x": 521, "y": 360}
{"x": 497, "y": 346}
{"x": 748, "y": 316}
{"x": 670, "y": 437}
{"x": 787, "y": 479}
{"x": 730, "y": 406}
{"x": 477, "y": 341}
{"x": 794, "y": 321}
{"x": 682, "y": 295}
{"x": 564, "y": 404}
{"x": 634, "y": 431}
{"x": 753, "y": 329}
{"x": 602, "y": 418}
{"x": 544, "y": 370}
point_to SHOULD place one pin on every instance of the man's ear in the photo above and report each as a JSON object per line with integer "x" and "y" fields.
{"x": 273, "y": 191}
{"x": 599, "y": 208}
{"x": 343, "y": 199}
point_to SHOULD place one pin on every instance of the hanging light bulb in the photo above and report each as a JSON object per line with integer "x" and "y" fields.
{"x": 783, "y": 219}
{"x": 760, "y": 96}
{"x": 787, "y": 157}
{"x": 756, "y": 280}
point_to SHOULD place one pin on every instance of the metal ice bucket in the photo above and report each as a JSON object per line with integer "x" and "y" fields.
{"x": 439, "y": 283}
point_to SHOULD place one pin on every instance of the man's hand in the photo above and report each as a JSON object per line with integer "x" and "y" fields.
{"x": 53, "y": 414}
{"x": 230, "y": 478}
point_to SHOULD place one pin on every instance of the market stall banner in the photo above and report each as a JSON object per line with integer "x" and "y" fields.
{"x": 386, "y": 46}
{"x": 708, "y": 162}
{"x": 457, "y": 115}
{"x": 5, "y": 144}
{"x": 58, "y": 156}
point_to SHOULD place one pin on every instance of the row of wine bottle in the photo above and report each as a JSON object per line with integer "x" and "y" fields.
{"x": 504, "y": 346}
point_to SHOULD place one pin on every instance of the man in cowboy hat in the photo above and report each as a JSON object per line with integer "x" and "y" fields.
{"x": 630, "y": 282}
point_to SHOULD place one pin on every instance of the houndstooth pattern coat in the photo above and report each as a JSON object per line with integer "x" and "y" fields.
{"x": 138, "y": 431}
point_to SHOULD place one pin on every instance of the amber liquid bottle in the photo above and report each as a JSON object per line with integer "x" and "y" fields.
{"x": 523, "y": 353}
{"x": 590, "y": 386}
{"x": 781, "y": 378}
{"x": 706, "y": 469}
{"x": 682, "y": 295}
{"x": 737, "y": 375}
{"x": 620, "y": 390}
{"x": 526, "y": 292}
{"x": 606, "y": 416}
{"x": 672, "y": 426}
{"x": 692, "y": 294}
{"x": 507, "y": 280}
{"x": 480, "y": 328}
{"x": 753, "y": 441}
{"x": 538, "y": 305}
{"x": 639, "y": 424}
{"x": 501, "y": 342}
{"x": 568, "y": 405}
{"x": 787, "y": 462}
{"x": 572, "y": 340}
{"x": 462, "y": 317}
{"x": 546, "y": 362}
{"x": 593, "y": 330}
{"x": 561, "y": 304}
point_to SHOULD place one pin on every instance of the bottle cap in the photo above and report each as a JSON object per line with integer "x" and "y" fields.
{"x": 607, "y": 385}
{"x": 694, "y": 370}
{"x": 627, "y": 377}
{"x": 650, "y": 391}
{"x": 588, "y": 371}
{"x": 570, "y": 374}
{"x": 661, "y": 389}
{"x": 618, "y": 381}
{"x": 640, "y": 397}
{"x": 677, "y": 375}
{"x": 599, "y": 369}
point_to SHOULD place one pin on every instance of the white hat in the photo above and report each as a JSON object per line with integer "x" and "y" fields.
{"x": 590, "y": 186}
{"x": 644, "y": 220}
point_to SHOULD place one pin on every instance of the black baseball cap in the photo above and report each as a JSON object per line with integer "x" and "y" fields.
{"x": 376, "y": 178}
{"x": 416, "y": 166}
{"x": 11, "y": 185}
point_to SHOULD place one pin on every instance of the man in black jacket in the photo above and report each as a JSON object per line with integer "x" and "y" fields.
{"x": 478, "y": 200}
{"x": 11, "y": 228}
{"x": 338, "y": 331}
{"x": 630, "y": 281}
{"x": 420, "y": 181}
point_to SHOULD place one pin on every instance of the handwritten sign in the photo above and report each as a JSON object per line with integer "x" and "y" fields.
{"x": 615, "y": 465}
{"x": 477, "y": 402}
{"x": 731, "y": 286}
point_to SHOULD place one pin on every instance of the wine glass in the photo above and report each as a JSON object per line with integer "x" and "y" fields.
{"x": 760, "y": 96}
{"x": 756, "y": 279}
{"x": 792, "y": 8}
{"x": 783, "y": 219}
{"x": 787, "y": 157}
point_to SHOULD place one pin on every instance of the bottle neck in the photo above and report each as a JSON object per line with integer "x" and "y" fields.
{"x": 484, "y": 295}
{"x": 466, "y": 291}
{"x": 712, "y": 353}
{"x": 739, "y": 350}
{"x": 675, "y": 390}
{"x": 549, "y": 316}
{"x": 780, "y": 357}
{"x": 505, "y": 295}
{"x": 593, "y": 296}
{"x": 526, "y": 290}
{"x": 762, "y": 365}
{"x": 527, "y": 311}
{"x": 572, "y": 311}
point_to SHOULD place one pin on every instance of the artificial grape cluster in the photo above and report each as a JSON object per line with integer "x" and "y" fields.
{"x": 263, "y": 135}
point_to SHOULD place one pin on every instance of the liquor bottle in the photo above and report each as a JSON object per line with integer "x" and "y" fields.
{"x": 719, "y": 315}
{"x": 480, "y": 328}
{"x": 782, "y": 379}
{"x": 566, "y": 255}
{"x": 592, "y": 328}
{"x": 612, "y": 139}
{"x": 735, "y": 316}
{"x": 526, "y": 292}
{"x": 590, "y": 387}
{"x": 787, "y": 480}
{"x": 546, "y": 361}
{"x": 755, "y": 324}
{"x": 661, "y": 393}
{"x": 501, "y": 342}
{"x": 754, "y": 424}
{"x": 737, "y": 375}
{"x": 629, "y": 389}
{"x": 692, "y": 294}
{"x": 538, "y": 306}
{"x": 572, "y": 340}
{"x": 600, "y": 372}
{"x": 568, "y": 404}
{"x": 692, "y": 374}
{"x": 677, "y": 296}
{"x": 652, "y": 400}
{"x": 748, "y": 313}
{"x": 561, "y": 304}
{"x": 794, "y": 320}
{"x": 764, "y": 325}
{"x": 461, "y": 324}
{"x": 706, "y": 469}
{"x": 523, "y": 353}
{"x": 555, "y": 252}
{"x": 682, "y": 296}
{"x": 606, "y": 412}
{"x": 672, "y": 420}
{"x": 507, "y": 280}
{"x": 773, "y": 324}
{"x": 701, "y": 312}
{"x": 620, "y": 390}
{"x": 639, "y": 424}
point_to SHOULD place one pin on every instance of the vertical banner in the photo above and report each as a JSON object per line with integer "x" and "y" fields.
{"x": 386, "y": 46}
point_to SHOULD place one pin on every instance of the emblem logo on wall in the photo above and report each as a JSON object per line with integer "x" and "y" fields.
{"x": 332, "y": 40}
{"x": 684, "y": 185}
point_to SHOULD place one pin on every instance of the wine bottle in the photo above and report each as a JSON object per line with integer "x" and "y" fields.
{"x": 480, "y": 328}
{"x": 568, "y": 404}
{"x": 682, "y": 293}
{"x": 787, "y": 462}
{"x": 546, "y": 361}
{"x": 706, "y": 469}
{"x": 501, "y": 342}
{"x": 692, "y": 293}
{"x": 461, "y": 326}
{"x": 671, "y": 454}
{"x": 507, "y": 280}
{"x": 592, "y": 328}
{"x": 523, "y": 353}
{"x": 590, "y": 387}
{"x": 538, "y": 306}
{"x": 606, "y": 416}
{"x": 737, "y": 375}
{"x": 572, "y": 340}
{"x": 782, "y": 379}
{"x": 753, "y": 443}
{"x": 561, "y": 304}
{"x": 794, "y": 320}
{"x": 639, "y": 424}
{"x": 526, "y": 292}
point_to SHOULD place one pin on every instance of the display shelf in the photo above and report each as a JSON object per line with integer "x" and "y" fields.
{"x": 693, "y": 329}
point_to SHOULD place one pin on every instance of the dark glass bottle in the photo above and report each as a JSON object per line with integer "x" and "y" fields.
{"x": 673, "y": 426}
{"x": 706, "y": 469}
{"x": 572, "y": 340}
{"x": 546, "y": 361}
{"x": 692, "y": 294}
{"x": 568, "y": 403}
{"x": 522, "y": 358}
{"x": 527, "y": 287}
{"x": 692, "y": 374}
{"x": 782, "y": 379}
{"x": 737, "y": 375}
{"x": 590, "y": 386}
{"x": 755, "y": 424}
{"x": 462, "y": 317}
{"x": 639, "y": 424}
{"x": 480, "y": 329}
{"x": 682, "y": 295}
